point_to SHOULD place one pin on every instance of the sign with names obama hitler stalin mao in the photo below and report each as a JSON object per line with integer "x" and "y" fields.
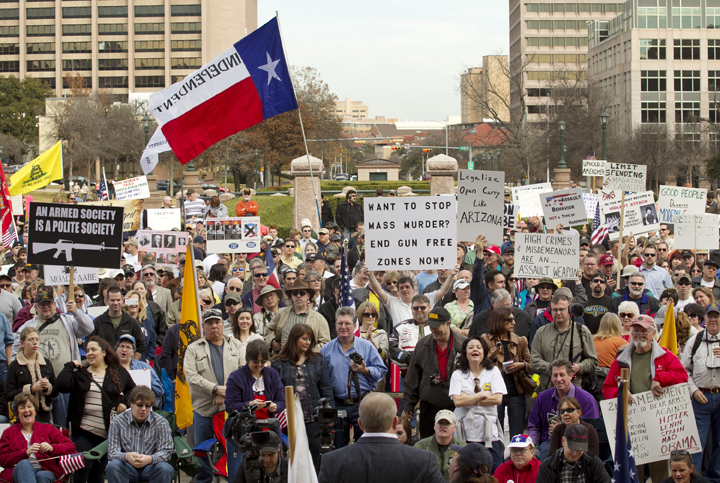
{"x": 539, "y": 255}
{"x": 481, "y": 205}
{"x": 411, "y": 234}
{"x": 76, "y": 235}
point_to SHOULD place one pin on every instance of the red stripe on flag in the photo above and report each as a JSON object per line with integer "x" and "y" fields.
{"x": 233, "y": 110}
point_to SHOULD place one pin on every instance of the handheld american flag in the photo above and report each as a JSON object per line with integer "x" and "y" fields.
{"x": 9, "y": 235}
{"x": 624, "y": 470}
{"x": 103, "y": 190}
{"x": 346, "y": 296}
{"x": 599, "y": 232}
{"x": 71, "y": 463}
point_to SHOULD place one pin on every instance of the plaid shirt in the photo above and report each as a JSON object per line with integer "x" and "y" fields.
{"x": 152, "y": 437}
{"x": 571, "y": 473}
{"x": 457, "y": 316}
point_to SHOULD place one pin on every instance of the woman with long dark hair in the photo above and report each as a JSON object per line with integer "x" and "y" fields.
{"x": 477, "y": 389}
{"x": 507, "y": 347}
{"x": 98, "y": 388}
{"x": 305, "y": 370}
{"x": 244, "y": 330}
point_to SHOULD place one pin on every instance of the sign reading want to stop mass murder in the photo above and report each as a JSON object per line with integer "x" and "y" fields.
{"x": 80, "y": 235}
{"x": 411, "y": 233}
{"x": 539, "y": 255}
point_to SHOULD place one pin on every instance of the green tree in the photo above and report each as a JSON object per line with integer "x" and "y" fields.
{"x": 21, "y": 102}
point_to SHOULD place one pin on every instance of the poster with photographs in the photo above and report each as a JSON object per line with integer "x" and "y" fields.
{"x": 640, "y": 214}
{"x": 233, "y": 235}
{"x": 165, "y": 245}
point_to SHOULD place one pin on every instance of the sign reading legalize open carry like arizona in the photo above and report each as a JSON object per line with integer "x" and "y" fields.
{"x": 410, "y": 234}
{"x": 528, "y": 197}
{"x": 564, "y": 206}
{"x": 480, "y": 202}
{"x": 539, "y": 255}
{"x": 676, "y": 200}
{"x": 233, "y": 235}
{"x": 657, "y": 427}
{"x": 625, "y": 177}
{"x": 640, "y": 214}
{"x": 696, "y": 232}
{"x": 80, "y": 235}
{"x": 132, "y": 189}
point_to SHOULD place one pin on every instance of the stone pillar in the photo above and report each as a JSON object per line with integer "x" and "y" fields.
{"x": 442, "y": 170}
{"x": 155, "y": 200}
{"x": 562, "y": 179}
{"x": 305, "y": 206}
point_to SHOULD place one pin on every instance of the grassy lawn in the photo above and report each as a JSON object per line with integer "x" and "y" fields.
{"x": 274, "y": 210}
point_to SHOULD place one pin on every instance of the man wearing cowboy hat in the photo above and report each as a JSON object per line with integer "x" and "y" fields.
{"x": 299, "y": 313}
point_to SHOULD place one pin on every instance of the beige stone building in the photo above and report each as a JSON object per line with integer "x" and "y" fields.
{"x": 349, "y": 109}
{"x": 378, "y": 170}
{"x": 122, "y": 47}
{"x": 485, "y": 91}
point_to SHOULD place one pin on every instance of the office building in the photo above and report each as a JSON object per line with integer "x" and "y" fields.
{"x": 349, "y": 109}
{"x": 484, "y": 91}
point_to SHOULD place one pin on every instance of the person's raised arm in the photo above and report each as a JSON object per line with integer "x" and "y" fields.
{"x": 477, "y": 285}
{"x": 440, "y": 293}
{"x": 377, "y": 288}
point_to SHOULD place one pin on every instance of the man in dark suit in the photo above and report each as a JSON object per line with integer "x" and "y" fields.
{"x": 375, "y": 456}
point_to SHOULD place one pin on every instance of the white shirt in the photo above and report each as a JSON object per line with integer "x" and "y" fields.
{"x": 489, "y": 380}
{"x": 709, "y": 284}
{"x": 701, "y": 372}
{"x": 683, "y": 303}
{"x": 401, "y": 311}
{"x": 131, "y": 259}
{"x": 210, "y": 260}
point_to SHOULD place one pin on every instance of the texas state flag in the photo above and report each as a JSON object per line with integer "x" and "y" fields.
{"x": 247, "y": 84}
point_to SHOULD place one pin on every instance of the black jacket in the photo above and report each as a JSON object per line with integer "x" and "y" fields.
{"x": 377, "y": 459}
{"x": 480, "y": 327}
{"x": 169, "y": 353}
{"x": 423, "y": 365}
{"x": 76, "y": 381}
{"x": 160, "y": 322}
{"x": 326, "y": 213}
{"x": 715, "y": 289}
{"x": 590, "y": 465}
{"x": 648, "y": 308}
{"x": 385, "y": 321}
{"x": 128, "y": 325}
{"x": 18, "y": 376}
{"x": 327, "y": 310}
{"x": 348, "y": 216}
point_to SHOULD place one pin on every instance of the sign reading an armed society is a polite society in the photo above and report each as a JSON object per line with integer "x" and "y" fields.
{"x": 411, "y": 233}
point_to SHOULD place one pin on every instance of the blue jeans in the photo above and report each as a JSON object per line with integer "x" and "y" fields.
{"x": 342, "y": 436}
{"x": 60, "y": 409}
{"x": 543, "y": 449}
{"x": 25, "y": 473}
{"x": 707, "y": 416}
{"x": 3, "y": 370}
{"x": 204, "y": 431}
{"x": 516, "y": 414}
{"x": 234, "y": 458}
{"x": 119, "y": 471}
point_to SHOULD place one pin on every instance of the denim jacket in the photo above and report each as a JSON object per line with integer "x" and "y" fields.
{"x": 318, "y": 381}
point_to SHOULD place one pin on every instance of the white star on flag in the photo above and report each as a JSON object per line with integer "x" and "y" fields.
{"x": 617, "y": 466}
{"x": 270, "y": 68}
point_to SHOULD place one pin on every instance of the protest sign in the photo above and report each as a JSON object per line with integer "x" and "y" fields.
{"x": 591, "y": 204}
{"x": 676, "y": 200}
{"x": 593, "y": 167}
{"x": 233, "y": 235}
{"x": 413, "y": 234}
{"x": 696, "y": 232}
{"x": 657, "y": 426}
{"x": 5, "y": 268}
{"x": 511, "y": 216}
{"x": 640, "y": 214}
{"x": 133, "y": 212}
{"x": 479, "y": 202}
{"x": 165, "y": 245}
{"x": 60, "y": 275}
{"x": 539, "y": 255}
{"x": 608, "y": 195}
{"x": 141, "y": 377}
{"x": 17, "y": 205}
{"x": 528, "y": 198}
{"x": 625, "y": 177}
{"x": 164, "y": 219}
{"x": 564, "y": 206}
{"x": 79, "y": 235}
{"x": 132, "y": 189}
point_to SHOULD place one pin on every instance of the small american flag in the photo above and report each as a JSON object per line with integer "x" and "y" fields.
{"x": 103, "y": 191}
{"x": 600, "y": 232}
{"x": 71, "y": 463}
{"x": 346, "y": 296}
{"x": 282, "y": 417}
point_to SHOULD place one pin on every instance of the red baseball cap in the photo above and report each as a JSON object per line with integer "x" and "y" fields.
{"x": 492, "y": 249}
{"x": 605, "y": 260}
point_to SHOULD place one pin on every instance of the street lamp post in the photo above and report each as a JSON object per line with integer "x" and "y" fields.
{"x": 604, "y": 118}
{"x": 497, "y": 155}
{"x": 561, "y": 128}
{"x": 484, "y": 157}
{"x": 256, "y": 169}
{"x": 146, "y": 121}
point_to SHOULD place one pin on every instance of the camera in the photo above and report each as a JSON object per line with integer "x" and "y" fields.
{"x": 356, "y": 358}
{"x": 436, "y": 380}
{"x": 249, "y": 435}
{"x": 326, "y": 416}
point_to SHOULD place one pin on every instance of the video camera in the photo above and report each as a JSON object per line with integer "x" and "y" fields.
{"x": 249, "y": 435}
{"x": 325, "y": 417}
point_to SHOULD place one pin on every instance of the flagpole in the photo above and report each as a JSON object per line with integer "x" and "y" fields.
{"x": 302, "y": 128}
{"x": 625, "y": 386}
{"x": 290, "y": 408}
{"x": 620, "y": 242}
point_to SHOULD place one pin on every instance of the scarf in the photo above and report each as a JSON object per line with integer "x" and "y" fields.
{"x": 35, "y": 376}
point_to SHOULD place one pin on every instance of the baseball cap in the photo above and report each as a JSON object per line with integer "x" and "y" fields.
{"x": 683, "y": 276}
{"x": 313, "y": 257}
{"x": 131, "y": 241}
{"x": 492, "y": 249}
{"x": 437, "y": 317}
{"x": 247, "y": 191}
{"x": 331, "y": 252}
{"x": 199, "y": 264}
{"x": 210, "y": 314}
{"x": 584, "y": 240}
{"x": 605, "y": 260}
{"x": 17, "y": 243}
{"x": 232, "y": 296}
{"x": 629, "y": 270}
{"x": 576, "y": 434}
{"x": 712, "y": 261}
{"x": 44, "y": 295}
{"x": 125, "y": 337}
{"x": 713, "y": 307}
{"x": 520, "y": 441}
{"x": 686, "y": 253}
{"x": 475, "y": 454}
{"x": 271, "y": 443}
{"x": 148, "y": 258}
{"x": 335, "y": 237}
{"x": 305, "y": 222}
{"x": 30, "y": 266}
{"x": 128, "y": 269}
{"x": 323, "y": 231}
{"x": 447, "y": 415}
{"x": 644, "y": 321}
{"x": 462, "y": 283}
{"x": 198, "y": 239}
{"x": 508, "y": 249}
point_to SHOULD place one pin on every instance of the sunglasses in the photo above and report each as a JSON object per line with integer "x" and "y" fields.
{"x": 662, "y": 249}
{"x": 682, "y": 452}
{"x": 231, "y": 303}
{"x": 206, "y": 302}
{"x": 511, "y": 280}
{"x": 300, "y": 293}
{"x": 567, "y": 410}
{"x": 238, "y": 269}
{"x": 149, "y": 274}
{"x": 510, "y": 319}
{"x": 599, "y": 280}
{"x": 6, "y": 285}
{"x": 260, "y": 275}
{"x": 625, "y": 315}
{"x": 637, "y": 284}
{"x": 650, "y": 254}
{"x": 684, "y": 283}
{"x": 289, "y": 246}
{"x": 423, "y": 307}
{"x": 369, "y": 315}
{"x": 235, "y": 289}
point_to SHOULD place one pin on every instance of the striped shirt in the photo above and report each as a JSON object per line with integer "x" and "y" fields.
{"x": 194, "y": 208}
{"x": 151, "y": 438}
{"x": 93, "y": 420}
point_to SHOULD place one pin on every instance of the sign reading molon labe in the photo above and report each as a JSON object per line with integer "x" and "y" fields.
{"x": 77, "y": 235}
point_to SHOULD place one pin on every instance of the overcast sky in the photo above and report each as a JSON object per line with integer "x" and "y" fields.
{"x": 402, "y": 58}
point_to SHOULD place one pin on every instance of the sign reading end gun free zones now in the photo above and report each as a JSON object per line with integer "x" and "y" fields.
{"x": 75, "y": 235}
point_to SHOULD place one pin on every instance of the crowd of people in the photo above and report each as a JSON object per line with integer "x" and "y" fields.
{"x": 463, "y": 374}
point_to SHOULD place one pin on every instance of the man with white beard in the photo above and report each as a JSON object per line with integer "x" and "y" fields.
{"x": 652, "y": 368}
{"x": 635, "y": 292}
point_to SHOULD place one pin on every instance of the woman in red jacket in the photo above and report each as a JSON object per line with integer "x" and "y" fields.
{"x": 27, "y": 446}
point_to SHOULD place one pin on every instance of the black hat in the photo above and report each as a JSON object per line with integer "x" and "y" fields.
{"x": 335, "y": 237}
{"x": 712, "y": 261}
{"x": 314, "y": 257}
{"x": 17, "y": 243}
{"x": 686, "y": 253}
{"x": 577, "y": 437}
{"x": 474, "y": 455}
{"x": 437, "y": 317}
{"x": 585, "y": 239}
{"x": 44, "y": 295}
{"x": 128, "y": 269}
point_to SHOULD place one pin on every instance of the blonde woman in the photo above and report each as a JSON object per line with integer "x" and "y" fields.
{"x": 368, "y": 316}
{"x": 608, "y": 339}
{"x": 136, "y": 307}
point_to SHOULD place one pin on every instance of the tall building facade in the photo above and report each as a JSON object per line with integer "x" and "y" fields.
{"x": 659, "y": 65}
{"x": 549, "y": 41}
{"x": 349, "y": 109}
{"x": 484, "y": 91}
{"x": 121, "y": 46}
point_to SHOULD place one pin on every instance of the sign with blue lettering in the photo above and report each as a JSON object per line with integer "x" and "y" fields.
{"x": 233, "y": 235}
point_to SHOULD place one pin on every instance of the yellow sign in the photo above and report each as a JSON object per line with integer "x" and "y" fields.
{"x": 39, "y": 173}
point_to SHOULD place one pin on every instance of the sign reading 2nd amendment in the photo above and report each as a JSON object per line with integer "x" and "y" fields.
{"x": 83, "y": 236}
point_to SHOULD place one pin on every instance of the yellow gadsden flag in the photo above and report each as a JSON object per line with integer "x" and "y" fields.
{"x": 189, "y": 332}
{"x": 668, "y": 338}
{"x": 39, "y": 173}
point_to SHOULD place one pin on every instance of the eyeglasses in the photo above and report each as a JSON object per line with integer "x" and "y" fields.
{"x": 369, "y": 315}
{"x": 259, "y": 362}
{"x": 420, "y": 308}
{"x": 260, "y": 275}
{"x": 307, "y": 231}
{"x": 626, "y": 315}
{"x": 299, "y": 293}
{"x": 650, "y": 254}
{"x": 662, "y": 249}
{"x": 149, "y": 274}
{"x": 235, "y": 289}
{"x": 391, "y": 283}
{"x": 567, "y": 410}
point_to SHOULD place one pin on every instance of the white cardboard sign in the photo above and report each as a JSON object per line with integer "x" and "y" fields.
{"x": 696, "y": 232}
{"x": 539, "y": 255}
{"x": 410, "y": 234}
{"x": 625, "y": 177}
{"x": 511, "y": 216}
{"x": 676, "y": 200}
{"x": 528, "y": 198}
{"x": 132, "y": 189}
{"x": 233, "y": 235}
{"x": 593, "y": 167}
{"x": 164, "y": 219}
{"x": 58, "y": 275}
{"x": 640, "y": 214}
{"x": 480, "y": 204}
{"x": 17, "y": 205}
{"x": 657, "y": 426}
{"x": 564, "y": 206}
{"x": 591, "y": 204}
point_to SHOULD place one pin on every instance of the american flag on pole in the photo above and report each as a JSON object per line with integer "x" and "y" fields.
{"x": 9, "y": 235}
{"x": 70, "y": 463}
{"x": 624, "y": 470}
{"x": 346, "y": 296}
{"x": 282, "y": 418}
{"x": 599, "y": 232}
{"x": 103, "y": 191}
